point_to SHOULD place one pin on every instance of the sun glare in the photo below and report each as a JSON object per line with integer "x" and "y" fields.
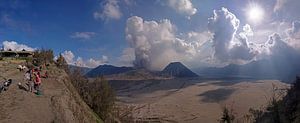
{"x": 255, "y": 14}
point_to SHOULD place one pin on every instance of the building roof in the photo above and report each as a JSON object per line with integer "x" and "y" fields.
{"x": 18, "y": 52}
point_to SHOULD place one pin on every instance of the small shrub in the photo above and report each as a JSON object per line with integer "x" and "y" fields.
{"x": 227, "y": 116}
{"x": 285, "y": 110}
{"x": 62, "y": 63}
{"x": 98, "y": 94}
{"x": 102, "y": 98}
{"x": 43, "y": 56}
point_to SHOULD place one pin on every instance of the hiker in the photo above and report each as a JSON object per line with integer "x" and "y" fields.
{"x": 37, "y": 83}
{"x": 28, "y": 79}
{"x": 45, "y": 75}
{"x": 40, "y": 67}
{"x": 39, "y": 73}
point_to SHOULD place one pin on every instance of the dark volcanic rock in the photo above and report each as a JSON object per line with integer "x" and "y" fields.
{"x": 177, "y": 69}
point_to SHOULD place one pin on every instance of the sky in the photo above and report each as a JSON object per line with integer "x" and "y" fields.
{"x": 151, "y": 33}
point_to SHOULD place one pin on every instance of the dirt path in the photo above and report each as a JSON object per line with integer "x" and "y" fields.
{"x": 56, "y": 104}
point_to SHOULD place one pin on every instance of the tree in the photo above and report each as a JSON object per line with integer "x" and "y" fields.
{"x": 102, "y": 98}
{"x": 98, "y": 94}
{"x": 43, "y": 56}
{"x": 62, "y": 63}
{"x": 79, "y": 81}
{"x": 292, "y": 103}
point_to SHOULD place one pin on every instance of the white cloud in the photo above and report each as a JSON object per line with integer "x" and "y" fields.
{"x": 279, "y": 4}
{"x": 12, "y": 45}
{"x": 91, "y": 63}
{"x": 294, "y": 31}
{"x": 111, "y": 10}
{"x": 79, "y": 62}
{"x": 294, "y": 35}
{"x": 83, "y": 35}
{"x": 184, "y": 7}
{"x": 230, "y": 47}
{"x": 199, "y": 38}
{"x": 69, "y": 56}
{"x": 276, "y": 46}
{"x": 223, "y": 25}
{"x": 105, "y": 58}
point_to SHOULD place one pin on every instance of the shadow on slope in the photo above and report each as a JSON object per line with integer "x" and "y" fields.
{"x": 127, "y": 88}
{"x": 214, "y": 96}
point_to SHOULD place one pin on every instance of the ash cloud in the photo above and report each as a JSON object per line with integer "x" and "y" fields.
{"x": 155, "y": 43}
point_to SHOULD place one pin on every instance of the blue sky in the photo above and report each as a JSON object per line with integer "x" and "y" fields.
{"x": 95, "y": 30}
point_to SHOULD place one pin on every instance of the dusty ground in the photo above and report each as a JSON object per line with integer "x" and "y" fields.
{"x": 195, "y": 100}
{"x": 57, "y": 104}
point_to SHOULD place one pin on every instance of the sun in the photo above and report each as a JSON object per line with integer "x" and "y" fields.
{"x": 255, "y": 14}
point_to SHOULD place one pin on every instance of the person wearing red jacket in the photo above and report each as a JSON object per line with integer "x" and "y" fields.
{"x": 37, "y": 82}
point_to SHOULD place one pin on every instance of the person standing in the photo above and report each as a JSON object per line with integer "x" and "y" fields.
{"x": 37, "y": 83}
{"x": 29, "y": 83}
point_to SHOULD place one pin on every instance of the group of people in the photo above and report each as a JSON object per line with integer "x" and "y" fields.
{"x": 33, "y": 79}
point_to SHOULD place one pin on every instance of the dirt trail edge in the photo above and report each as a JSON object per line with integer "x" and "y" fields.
{"x": 59, "y": 102}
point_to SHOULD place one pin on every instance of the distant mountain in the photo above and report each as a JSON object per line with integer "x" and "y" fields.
{"x": 137, "y": 74}
{"x": 177, "y": 69}
{"x": 107, "y": 70}
{"x": 280, "y": 65}
{"x": 84, "y": 70}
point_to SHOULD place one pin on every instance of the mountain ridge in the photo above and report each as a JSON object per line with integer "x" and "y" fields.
{"x": 177, "y": 69}
{"x": 107, "y": 70}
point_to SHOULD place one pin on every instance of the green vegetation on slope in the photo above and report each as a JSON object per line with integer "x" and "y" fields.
{"x": 280, "y": 109}
{"x": 286, "y": 110}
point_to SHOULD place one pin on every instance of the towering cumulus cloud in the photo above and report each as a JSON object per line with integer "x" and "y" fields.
{"x": 155, "y": 43}
{"x": 294, "y": 35}
{"x": 228, "y": 45}
{"x": 224, "y": 25}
